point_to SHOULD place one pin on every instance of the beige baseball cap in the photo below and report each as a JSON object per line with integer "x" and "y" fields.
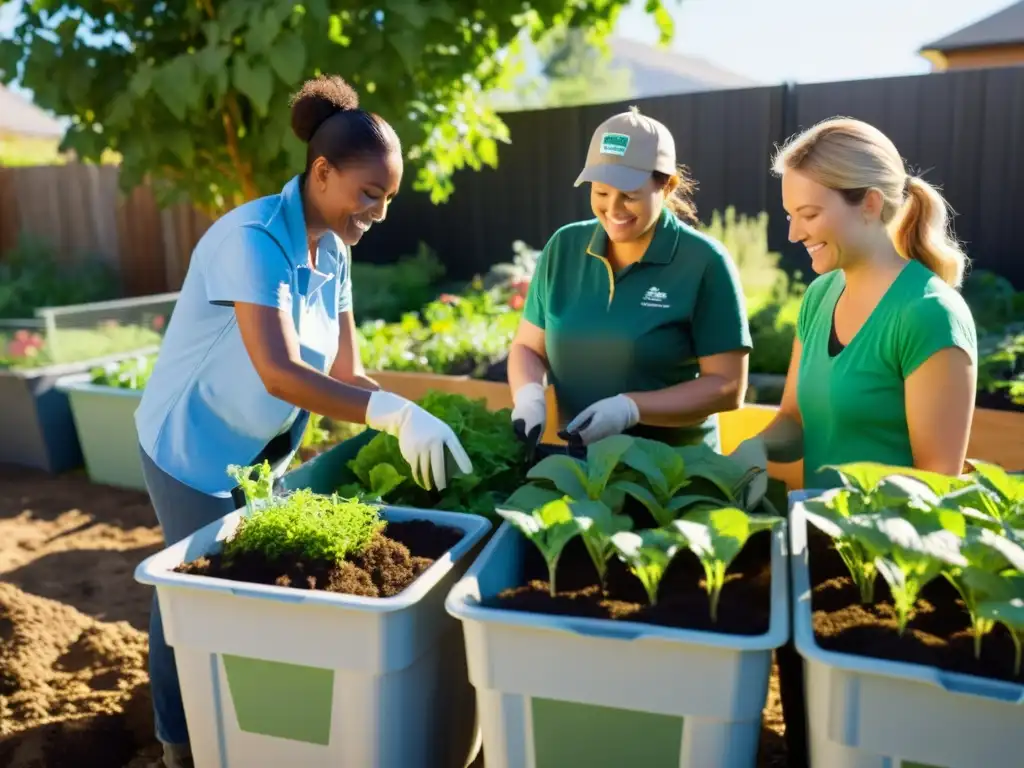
{"x": 626, "y": 149}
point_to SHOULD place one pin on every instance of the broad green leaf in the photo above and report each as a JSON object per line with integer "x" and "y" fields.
{"x": 602, "y": 459}
{"x": 689, "y": 500}
{"x": 141, "y": 81}
{"x": 212, "y": 59}
{"x": 864, "y": 476}
{"x": 988, "y": 585}
{"x": 384, "y": 478}
{"x": 987, "y": 549}
{"x": 175, "y": 85}
{"x": 288, "y": 58}
{"x": 720, "y": 534}
{"x": 641, "y": 494}
{"x": 568, "y": 474}
{"x": 530, "y": 497}
{"x": 703, "y": 461}
{"x": 255, "y": 81}
{"x": 660, "y": 464}
{"x": 1009, "y": 613}
{"x": 263, "y": 28}
{"x": 1009, "y": 487}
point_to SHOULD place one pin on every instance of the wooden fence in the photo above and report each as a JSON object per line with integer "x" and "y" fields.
{"x": 81, "y": 211}
{"x": 963, "y": 129}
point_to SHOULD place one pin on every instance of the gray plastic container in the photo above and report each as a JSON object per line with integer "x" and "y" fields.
{"x": 864, "y": 712}
{"x": 557, "y": 691}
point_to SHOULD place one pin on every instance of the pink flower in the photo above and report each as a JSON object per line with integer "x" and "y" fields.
{"x": 517, "y": 301}
{"x": 448, "y": 298}
{"x": 158, "y": 323}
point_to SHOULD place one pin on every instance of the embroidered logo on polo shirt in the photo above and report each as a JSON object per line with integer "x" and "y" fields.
{"x": 614, "y": 144}
{"x": 655, "y": 297}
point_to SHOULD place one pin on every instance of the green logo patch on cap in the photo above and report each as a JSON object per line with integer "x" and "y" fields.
{"x": 614, "y": 144}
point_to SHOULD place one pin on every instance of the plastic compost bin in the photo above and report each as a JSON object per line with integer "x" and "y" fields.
{"x": 275, "y": 676}
{"x": 556, "y": 691}
{"x": 866, "y": 712}
{"x": 105, "y": 422}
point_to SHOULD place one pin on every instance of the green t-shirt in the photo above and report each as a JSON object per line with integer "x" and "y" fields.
{"x": 640, "y": 329}
{"x": 852, "y": 400}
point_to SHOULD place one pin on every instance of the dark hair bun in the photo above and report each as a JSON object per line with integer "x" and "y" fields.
{"x": 317, "y": 100}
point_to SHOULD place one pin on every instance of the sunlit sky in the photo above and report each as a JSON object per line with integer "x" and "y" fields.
{"x": 793, "y": 40}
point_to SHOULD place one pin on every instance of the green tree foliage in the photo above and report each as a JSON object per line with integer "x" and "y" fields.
{"x": 193, "y": 94}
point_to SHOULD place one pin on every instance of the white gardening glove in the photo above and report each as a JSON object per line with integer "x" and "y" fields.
{"x": 611, "y": 416}
{"x": 530, "y": 413}
{"x": 422, "y": 437}
{"x": 752, "y": 452}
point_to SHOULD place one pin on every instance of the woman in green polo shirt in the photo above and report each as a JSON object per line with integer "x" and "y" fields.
{"x": 884, "y": 363}
{"x": 637, "y": 319}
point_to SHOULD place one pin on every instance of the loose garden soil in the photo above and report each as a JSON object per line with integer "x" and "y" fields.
{"x": 73, "y": 643}
{"x": 939, "y": 635}
{"x": 744, "y": 607}
{"x": 391, "y": 562}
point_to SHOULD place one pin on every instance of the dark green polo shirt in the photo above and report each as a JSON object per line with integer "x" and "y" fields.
{"x": 640, "y": 329}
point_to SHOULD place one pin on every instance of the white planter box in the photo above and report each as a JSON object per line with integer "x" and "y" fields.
{"x": 275, "y": 676}
{"x": 105, "y": 422}
{"x": 865, "y": 712}
{"x": 558, "y": 692}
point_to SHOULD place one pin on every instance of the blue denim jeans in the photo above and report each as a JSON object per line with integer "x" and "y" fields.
{"x": 181, "y": 511}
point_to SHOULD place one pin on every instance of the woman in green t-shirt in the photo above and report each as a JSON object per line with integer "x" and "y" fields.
{"x": 884, "y": 362}
{"x": 884, "y": 365}
{"x": 636, "y": 318}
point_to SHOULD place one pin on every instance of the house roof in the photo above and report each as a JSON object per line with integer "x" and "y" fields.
{"x": 666, "y": 71}
{"x": 1005, "y": 27}
{"x": 20, "y": 117}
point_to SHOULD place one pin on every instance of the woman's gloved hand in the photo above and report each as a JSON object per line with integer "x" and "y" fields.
{"x": 530, "y": 413}
{"x": 752, "y": 453}
{"x": 422, "y": 437}
{"x": 611, "y": 416}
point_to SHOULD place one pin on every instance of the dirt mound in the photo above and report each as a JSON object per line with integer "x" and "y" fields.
{"x": 73, "y": 690}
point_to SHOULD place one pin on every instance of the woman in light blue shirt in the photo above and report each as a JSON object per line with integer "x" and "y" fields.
{"x": 262, "y": 335}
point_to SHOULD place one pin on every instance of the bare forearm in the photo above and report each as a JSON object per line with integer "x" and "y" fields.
{"x": 525, "y": 366}
{"x": 688, "y": 403}
{"x": 359, "y": 380}
{"x": 307, "y": 388}
{"x": 784, "y": 439}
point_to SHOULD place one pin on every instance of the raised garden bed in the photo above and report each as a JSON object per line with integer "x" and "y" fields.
{"x": 37, "y": 428}
{"x": 362, "y": 587}
{"x": 593, "y": 628}
{"x": 103, "y": 407}
{"x": 897, "y": 670}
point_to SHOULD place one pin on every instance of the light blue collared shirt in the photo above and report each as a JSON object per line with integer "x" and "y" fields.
{"x": 205, "y": 406}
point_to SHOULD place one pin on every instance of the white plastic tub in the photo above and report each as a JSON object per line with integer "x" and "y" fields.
{"x": 559, "y": 692}
{"x": 275, "y": 676}
{"x": 865, "y": 712}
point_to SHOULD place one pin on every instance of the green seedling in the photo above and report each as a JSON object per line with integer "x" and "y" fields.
{"x": 716, "y": 537}
{"x": 582, "y": 480}
{"x": 663, "y": 474}
{"x": 550, "y": 527}
{"x": 648, "y": 553}
{"x": 256, "y": 482}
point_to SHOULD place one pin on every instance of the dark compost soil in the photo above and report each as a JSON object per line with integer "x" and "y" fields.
{"x": 392, "y": 561}
{"x": 938, "y": 635}
{"x": 744, "y": 607}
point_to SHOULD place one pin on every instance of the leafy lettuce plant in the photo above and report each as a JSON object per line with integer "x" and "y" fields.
{"x": 716, "y": 536}
{"x": 499, "y": 461}
{"x": 729, "y": 480}
{"x": 648, "y": 553}
{"x": 586, "y": 479}
{"x": 550, "y": 527}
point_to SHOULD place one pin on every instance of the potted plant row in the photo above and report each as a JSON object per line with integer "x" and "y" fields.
{"x": 908, "y": 593}
{"x": 309, "y": 629}
{"x": 626, "y": 610}
{"x": 62, "y": 346}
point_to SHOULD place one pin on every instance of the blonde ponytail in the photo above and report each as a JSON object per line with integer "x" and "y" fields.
{"x": 921, "y": 231}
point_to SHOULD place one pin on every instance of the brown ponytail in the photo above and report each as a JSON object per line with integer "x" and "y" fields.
{"x": 679, "y": 193}
{"x": 921, "y": 231}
